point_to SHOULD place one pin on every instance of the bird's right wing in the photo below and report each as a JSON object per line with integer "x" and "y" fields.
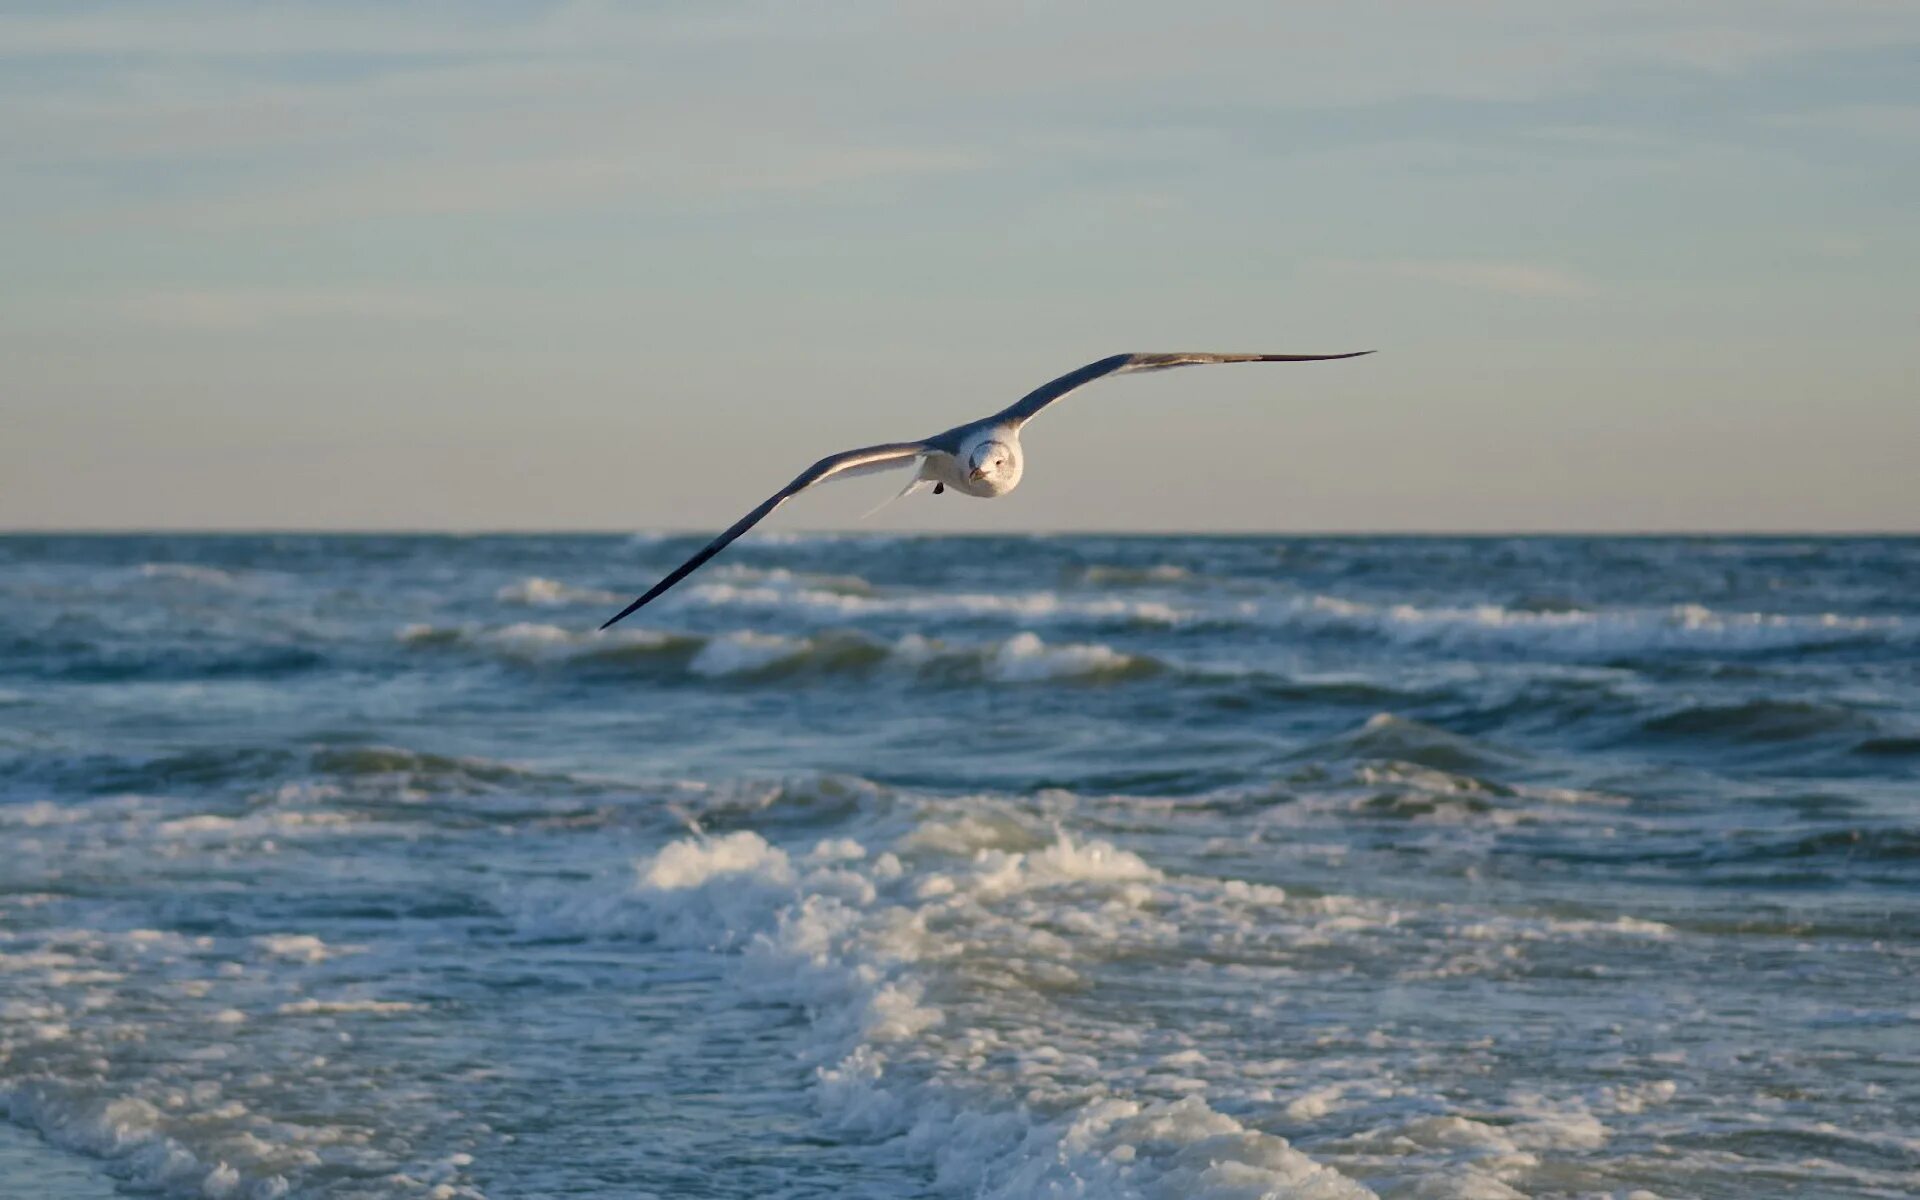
{"x": 851, "y": 462}
{"x": 1028, "y": 406}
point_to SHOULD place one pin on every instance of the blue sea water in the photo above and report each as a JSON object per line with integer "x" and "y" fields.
{"x": 359, "y": 866}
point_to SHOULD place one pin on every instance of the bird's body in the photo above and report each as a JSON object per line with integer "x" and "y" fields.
{"x": 981, "y": 458}
{"x": 996, "y": 450}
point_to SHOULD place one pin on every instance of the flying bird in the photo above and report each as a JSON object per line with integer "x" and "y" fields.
{"x": 981, "y": 458}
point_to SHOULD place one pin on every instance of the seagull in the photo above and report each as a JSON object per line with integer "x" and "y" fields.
{"x": 980, "y": 458}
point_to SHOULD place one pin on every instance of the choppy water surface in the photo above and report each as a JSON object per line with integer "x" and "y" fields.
{"x": 1162, "y": 867}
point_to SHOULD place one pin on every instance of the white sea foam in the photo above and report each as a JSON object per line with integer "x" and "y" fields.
{"x": 194, "y": 573}
{"x": 531, "y": 639}
{"x": 1588, "y": 633}
{"x": 300, "y": 947}
{"x": 1156, "y": 573}
{"x": 1019, "y": 606}
{"x": 1024, "y": 658}
{"x": 534, "y": 641}
{"x": 744, "y": 652}
{"x": 1021, "y": 658}
{"x": 833, "y": 931}
{"x": 784, "y": 578}
{"x": 327, "y": 1008}
{"x": 540, "y": 592}
{"x": 130, "y": 1131}
{"x": 190, "y": 1118}
{"x": 926, "y": 989}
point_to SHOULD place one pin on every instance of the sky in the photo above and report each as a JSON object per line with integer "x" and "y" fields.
{"x": 1627, "y": 265}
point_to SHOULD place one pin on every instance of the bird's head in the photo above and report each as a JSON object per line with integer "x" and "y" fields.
{"x": 992, "y": 460}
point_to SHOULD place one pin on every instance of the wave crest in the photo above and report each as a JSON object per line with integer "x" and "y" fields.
{"x": 746, "y": 654}
{"x": 540, "y": 592}
{"x": 1592, "y": 633}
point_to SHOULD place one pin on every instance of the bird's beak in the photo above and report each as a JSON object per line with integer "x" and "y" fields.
{"x": 976, "y": 474}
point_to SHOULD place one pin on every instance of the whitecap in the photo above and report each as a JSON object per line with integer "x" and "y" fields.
{"x": 745, "y": 652}
{"x": 311, "y": 1007}
{"x": 194, "y": 573}
{"x": 1024, "y": 658}
{"x": 540, "y": 592}
{"x": 1588, "y": 632}
{"x": 1024, "y": 606}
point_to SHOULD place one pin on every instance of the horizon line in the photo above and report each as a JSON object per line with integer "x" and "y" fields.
{"x": 698, "y": 531}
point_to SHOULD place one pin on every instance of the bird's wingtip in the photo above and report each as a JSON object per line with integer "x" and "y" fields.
{"x": 616, "y": 618}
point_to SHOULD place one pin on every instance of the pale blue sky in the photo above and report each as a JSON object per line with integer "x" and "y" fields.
{"x": 1629, "y": 265}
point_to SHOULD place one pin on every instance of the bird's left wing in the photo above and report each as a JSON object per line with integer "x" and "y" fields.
{"x": 851, "y": 462}
{"x": 1024, "y": 409}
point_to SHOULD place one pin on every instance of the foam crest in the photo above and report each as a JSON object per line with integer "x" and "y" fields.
{"x": 786, "y": 579}
{"x": 1019, "y": 606}
{"x": 1577, "y": 632}
{"x": 540, "y": 592}
{"x": 704, "y": 893}
{"x": 1023, "y": 658}
{"x": 746, "y": 652}
{"x": 1156, "y": 574}
{"x": 998, "y": 873}
{"x": 540, "y": 642}
{"x": 846, "y": 937}
{"x": 692, "y": 864}
{"x": 192, "y": 573}
{"x": 168, "y": 1056}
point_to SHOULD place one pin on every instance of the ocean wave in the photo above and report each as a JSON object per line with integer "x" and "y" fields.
{"x": 1854, "y": 845}
{"x": 1017, "y": 606}
{"x": 1591, "y": 633}
{"x": 162, "y": 659}
{"x": 1889, "y": 747}
{"x": 177, "y": 1124}
{"x": 782, "y": 577}
{"x": 537, "y": 642}
{"x": 192, "y": 573}
{"x": 206, "y": 767}
{"x": 1532, "y": 626}
{"x": 540, "y": 592}
{"x": 419, "y": 772}
{"x": 1396, "y": 738}
{"x": 1151, "y": 575}
{"x": 747, "y": 654}
{"x": 1757, "y": 721}
{"x": 846, "y": 936}
{"x": 311, "y": 1007}
{"x": 135, "y": 1136}
{"x": 264, "y": 784}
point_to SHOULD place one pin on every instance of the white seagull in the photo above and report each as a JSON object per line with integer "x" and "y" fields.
{"x": 980, "y": 458}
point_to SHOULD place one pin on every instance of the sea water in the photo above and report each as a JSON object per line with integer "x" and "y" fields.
{"x": 360, "y": 866}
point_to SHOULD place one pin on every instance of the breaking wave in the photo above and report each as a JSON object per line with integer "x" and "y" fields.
{"x": 540, "y": 592}
{"x": 846, "y": 936}
{"x": 1592, "y": 634}
{"x": 750, "y": 654}
{"x": 1020, "y": 606}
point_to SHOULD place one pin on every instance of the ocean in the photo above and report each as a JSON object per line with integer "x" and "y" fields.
{"x": 356, "y": 866}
